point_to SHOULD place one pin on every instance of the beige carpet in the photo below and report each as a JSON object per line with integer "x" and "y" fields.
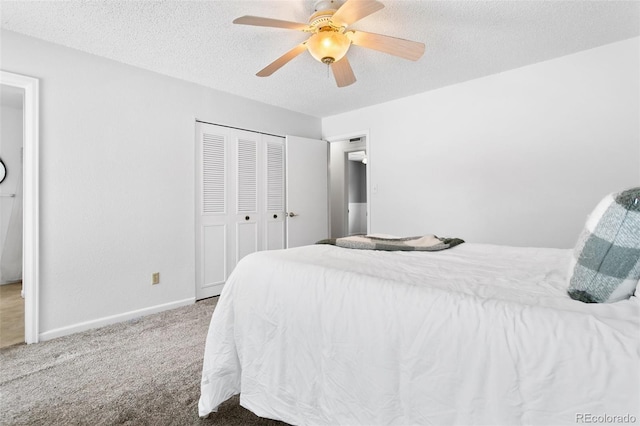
{"x": 141, "y": 372}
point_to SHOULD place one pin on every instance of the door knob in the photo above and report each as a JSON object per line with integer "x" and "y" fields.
{"x": 292, "y": 214}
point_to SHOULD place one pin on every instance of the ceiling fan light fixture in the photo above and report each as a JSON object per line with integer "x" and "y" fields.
{"x": 330, "y": 39}
{"x": 328, "y": 45}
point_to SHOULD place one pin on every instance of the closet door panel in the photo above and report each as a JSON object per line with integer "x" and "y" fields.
{"x": 212, "y": 209}
{"x": 247, "y": 239}
{"x": 274, "y": 193}
{"x": 247, "y": 174}
{"x": 214, "y": 255}
{"x": 248, "y": 215}
{"x": 213, "y": 194}
{"x": 275, "y": 234}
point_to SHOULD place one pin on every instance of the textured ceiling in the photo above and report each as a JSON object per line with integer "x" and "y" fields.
{"x": 196, "y": 41}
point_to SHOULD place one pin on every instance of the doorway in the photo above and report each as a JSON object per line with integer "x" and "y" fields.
{"x": 11, "y": 144}
{"x": 356, "y": 188}
{"x": 349, "y": 171}
{"x": 25, "y": 195}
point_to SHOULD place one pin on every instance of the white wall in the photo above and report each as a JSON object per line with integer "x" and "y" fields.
{"x": 517, "y": 158}
{"x": 11, "y": 154}
{"x": 117, "y": 179}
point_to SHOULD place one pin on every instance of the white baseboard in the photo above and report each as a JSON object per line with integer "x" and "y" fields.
{"x": 100, "y": 322}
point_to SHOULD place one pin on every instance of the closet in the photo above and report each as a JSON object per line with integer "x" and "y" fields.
{"x": 254, "y": 191}
{"x": 240, "y": 200}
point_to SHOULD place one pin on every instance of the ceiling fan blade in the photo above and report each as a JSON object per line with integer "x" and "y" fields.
{"x": 343, "y": 73}
{"x": 268, "y": 22}
{"x": 282, "y": 60}
{"x": 354, "y": 10}
{"x": 407, "y": 49}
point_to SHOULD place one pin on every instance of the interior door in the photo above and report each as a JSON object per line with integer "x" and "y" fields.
{"x": 306, "y": 191}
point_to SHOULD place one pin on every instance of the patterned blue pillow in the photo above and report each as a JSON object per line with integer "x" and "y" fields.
{"x": 606, "y": 262}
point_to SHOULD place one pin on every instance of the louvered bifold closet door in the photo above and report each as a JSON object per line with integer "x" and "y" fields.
{"x": 240, "y": 201}
{"x": 248, "y": 217}
{"x": 274, "y": 235}
{"x": 212, "y": 210}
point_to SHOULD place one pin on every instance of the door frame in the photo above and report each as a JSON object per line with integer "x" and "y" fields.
{"x": 351, "y": 135}
{"x": 347, "y": 192}
{"x": 30, "y": 208}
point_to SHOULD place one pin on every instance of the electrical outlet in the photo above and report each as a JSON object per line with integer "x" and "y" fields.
{"x": 155, "y": 278}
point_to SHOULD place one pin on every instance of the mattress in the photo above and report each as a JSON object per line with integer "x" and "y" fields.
{"x": 477, "y": 334}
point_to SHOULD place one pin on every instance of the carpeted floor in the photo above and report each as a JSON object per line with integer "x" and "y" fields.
{"x": 140, "y": 372}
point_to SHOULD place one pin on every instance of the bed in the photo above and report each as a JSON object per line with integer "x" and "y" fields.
{"x": 476, "y": 334}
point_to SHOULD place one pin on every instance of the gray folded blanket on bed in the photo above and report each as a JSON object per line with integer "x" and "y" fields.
{"x": 370, "y": 242}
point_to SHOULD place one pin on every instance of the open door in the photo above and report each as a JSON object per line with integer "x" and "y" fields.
{"x": 307, "y": 195}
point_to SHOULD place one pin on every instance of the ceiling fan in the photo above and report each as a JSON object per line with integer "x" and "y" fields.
{"x": 330, "y": 40}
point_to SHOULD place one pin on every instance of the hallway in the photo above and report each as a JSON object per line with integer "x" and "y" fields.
{"x": 11, "y": 315}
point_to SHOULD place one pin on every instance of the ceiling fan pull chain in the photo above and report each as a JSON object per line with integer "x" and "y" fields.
{"x": 328, "y": 73}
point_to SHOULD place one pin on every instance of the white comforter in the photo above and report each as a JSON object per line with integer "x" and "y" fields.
{"x": 478, "y": 334}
